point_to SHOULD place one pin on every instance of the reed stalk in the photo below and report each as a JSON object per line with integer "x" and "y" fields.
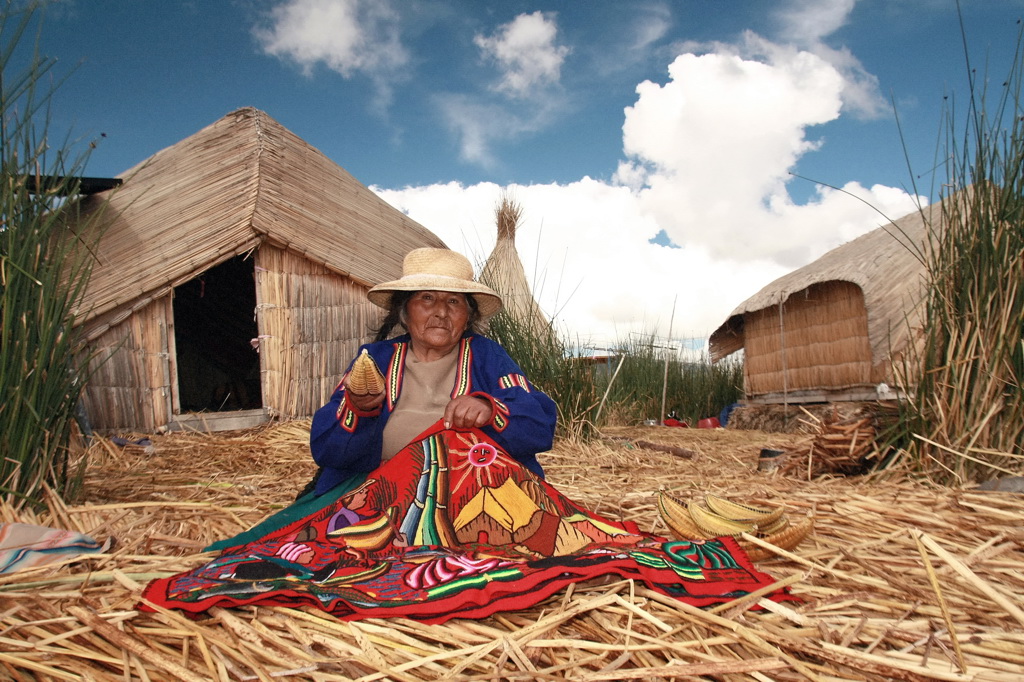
{"x": 43, "y": 272}
{"x": 695, "y": 389}
{"x": 965, "y": 419}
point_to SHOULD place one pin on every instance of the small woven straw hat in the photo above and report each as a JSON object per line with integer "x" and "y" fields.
{"x": 437, "y": 270}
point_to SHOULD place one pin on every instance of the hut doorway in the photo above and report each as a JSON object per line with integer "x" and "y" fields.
{"x": 218, "y": 370}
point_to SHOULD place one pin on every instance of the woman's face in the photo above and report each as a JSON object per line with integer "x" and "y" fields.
{"x": 436, "y": 320}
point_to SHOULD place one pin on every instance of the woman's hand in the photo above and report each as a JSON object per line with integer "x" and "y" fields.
{"x": 466, "y": 412}
{"x": 365, "y": 403}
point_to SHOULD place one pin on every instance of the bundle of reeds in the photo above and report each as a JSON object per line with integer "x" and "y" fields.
{"x": 836, "y": 446}
{"x": 504, "y": 271}
{"x": 965, "y": 420}
{"x": 45, "y": 270}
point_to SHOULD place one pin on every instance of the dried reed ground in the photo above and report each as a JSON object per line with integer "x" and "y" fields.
{"x": 900, "y": 580}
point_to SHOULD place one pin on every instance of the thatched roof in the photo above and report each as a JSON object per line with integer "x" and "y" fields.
{"x": 885, "y": 263}
{"x": 222, "y": 192}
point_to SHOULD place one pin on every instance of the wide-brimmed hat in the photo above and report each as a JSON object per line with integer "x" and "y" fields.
{"x": 438, "y": 270}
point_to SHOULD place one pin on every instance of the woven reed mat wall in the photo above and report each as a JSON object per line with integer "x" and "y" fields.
{"x": 900, "y": 580}
{"x": 821, "y": 342}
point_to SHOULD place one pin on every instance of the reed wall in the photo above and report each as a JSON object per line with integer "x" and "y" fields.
{"x": 128, "y": 370}
{"x": 820, "y": 341}
{"x": 311, "y": 323}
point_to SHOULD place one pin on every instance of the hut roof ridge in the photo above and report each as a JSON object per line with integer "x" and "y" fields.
{"x": 221, "y": 192}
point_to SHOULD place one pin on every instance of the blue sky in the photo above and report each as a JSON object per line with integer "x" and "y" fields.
{"x": 619, "y": 126}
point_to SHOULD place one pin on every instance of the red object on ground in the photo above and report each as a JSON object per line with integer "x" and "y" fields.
{"x": 676, "y": 422}
{"x": 709, "y": 423}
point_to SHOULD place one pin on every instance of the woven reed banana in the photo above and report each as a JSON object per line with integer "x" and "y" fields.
{"x": 677, "y": 517}
{"x": 786, "y": 539}
{"x": 793, "y": 535}
{"x": 365, "y": 377}
{"x": 737, "y": 511}
{"x": 778, "y": 525}
{"x": 670, "y": 507}
{"x": 715, "y": 525}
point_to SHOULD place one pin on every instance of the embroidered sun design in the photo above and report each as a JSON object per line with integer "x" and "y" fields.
{"x": 482, "y": 459}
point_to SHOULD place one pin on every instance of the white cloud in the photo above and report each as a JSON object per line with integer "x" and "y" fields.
{"x": 812, "y": 20}
{"x": 526, "y": 52}
{"x": 708, "y": 157}
{"x": 806, "y": 24}
{"x": 347, "y": 36}
{"x": 525, "y": 96}
{"x": 803, "y": 26}
{"x": 653, "y": 22}
{"x": 474, "y": 124}
{"x": 718, "y": 140}
{"x": 861, "y": 93}
{"x": 633, "y": 44}
{"x": 477, "y": 123}
{"x": 586, "y": 253}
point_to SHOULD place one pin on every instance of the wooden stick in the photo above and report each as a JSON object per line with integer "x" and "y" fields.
{"x": 942, "y": 602}
{"x": 126, "y": 642}
{"x": 972, "y": 578}
{"x": 692, "y": 670}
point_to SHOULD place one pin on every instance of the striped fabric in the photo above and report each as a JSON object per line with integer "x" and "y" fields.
{"x": 23, "y": 546}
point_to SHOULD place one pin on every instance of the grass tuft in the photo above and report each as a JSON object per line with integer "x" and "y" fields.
{"x": 43, "y": 272}
{"x": 964, "y": 421}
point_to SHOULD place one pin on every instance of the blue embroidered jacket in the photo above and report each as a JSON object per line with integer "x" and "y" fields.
{"x": 345, "y": 441}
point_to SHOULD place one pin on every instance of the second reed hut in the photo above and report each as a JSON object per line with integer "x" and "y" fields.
{"x": 832, "y": 330}
{"x": 230, "y": 280}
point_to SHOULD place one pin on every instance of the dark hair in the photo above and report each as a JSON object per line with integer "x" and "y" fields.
{"x": 396, "y": 314}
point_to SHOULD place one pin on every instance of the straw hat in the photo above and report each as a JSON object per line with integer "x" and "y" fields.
{"x": 437, "y": 270}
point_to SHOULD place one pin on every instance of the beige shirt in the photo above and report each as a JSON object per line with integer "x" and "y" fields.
{"x": 426, "y": 391}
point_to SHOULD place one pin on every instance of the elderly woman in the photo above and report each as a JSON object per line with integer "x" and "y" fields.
{"x": 430, "y": 503}
{"x": 442, "y": 368}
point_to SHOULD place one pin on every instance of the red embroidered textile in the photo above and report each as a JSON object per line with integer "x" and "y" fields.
{"x": 449, "y": 527}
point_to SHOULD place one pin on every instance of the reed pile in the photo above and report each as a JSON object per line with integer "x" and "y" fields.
{"x": 839, "y": 444}
{"x": 900, "y": 580}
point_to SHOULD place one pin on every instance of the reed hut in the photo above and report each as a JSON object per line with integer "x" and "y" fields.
{"x": 230, "y": 279}
{"x": 504, "y": 272}
{"x": 834, "y": 329}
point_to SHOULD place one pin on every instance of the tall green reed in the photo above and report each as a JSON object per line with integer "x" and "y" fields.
{"x": 578, "y": 385}
{"x": 43, "y": 272}
{"x": 965, "y": 418}
{"x": 695, "y": 388}
{"x": 551, "y": 365}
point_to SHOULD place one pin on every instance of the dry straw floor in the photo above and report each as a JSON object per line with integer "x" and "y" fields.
{"x": 900, "y": 580}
